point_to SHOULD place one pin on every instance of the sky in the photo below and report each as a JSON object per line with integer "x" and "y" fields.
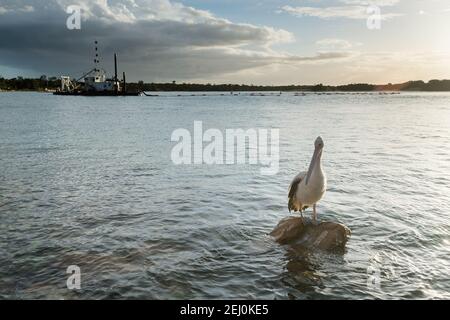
{"x": 264, "y": 42}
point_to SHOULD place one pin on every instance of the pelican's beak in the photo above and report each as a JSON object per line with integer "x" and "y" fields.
{"x": 315, "y": 158}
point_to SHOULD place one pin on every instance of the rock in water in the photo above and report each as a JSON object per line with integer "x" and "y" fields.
{"x": 324, "y": 235}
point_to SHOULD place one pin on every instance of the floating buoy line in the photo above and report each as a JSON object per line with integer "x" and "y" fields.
{"x": 255, "y": 94}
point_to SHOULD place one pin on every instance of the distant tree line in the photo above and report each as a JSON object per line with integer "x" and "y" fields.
{"x": 433, "y": 85}
{"x": 243, "y": 87}
{"x": 52, "y": 83}
{"x": 27, "y": 84}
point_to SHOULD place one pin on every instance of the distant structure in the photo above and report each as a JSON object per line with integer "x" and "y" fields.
{"x": 95, "y": 82}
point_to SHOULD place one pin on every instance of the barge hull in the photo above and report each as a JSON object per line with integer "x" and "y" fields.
{"x": 99, "y": 94}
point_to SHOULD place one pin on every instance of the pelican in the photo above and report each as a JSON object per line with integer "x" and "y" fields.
{"x": 308, "y": 187}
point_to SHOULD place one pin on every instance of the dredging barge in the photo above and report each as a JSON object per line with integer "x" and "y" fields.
{"x": 95, "y": 83}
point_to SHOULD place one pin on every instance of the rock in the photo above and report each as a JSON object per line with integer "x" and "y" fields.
{"x": 327, "y": 236}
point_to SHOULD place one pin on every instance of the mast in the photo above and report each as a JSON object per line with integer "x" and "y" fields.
{"x": 96, "y": 59}
{"x": 124, "y": 88}
{"x": 115, "y": 74}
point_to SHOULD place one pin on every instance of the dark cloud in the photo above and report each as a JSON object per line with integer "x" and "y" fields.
{"x": 155, "y": 39}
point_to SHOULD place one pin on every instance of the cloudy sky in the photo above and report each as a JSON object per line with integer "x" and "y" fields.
{"x": 238, "y": 41}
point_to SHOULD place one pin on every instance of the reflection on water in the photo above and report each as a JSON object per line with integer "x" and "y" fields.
{"x": 300, "y": 271}
{"x": 89, "y": 182}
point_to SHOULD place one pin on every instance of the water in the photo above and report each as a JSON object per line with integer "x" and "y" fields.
{"x": 90, "y": 182}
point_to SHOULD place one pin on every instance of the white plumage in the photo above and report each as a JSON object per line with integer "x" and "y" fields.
{"x": 308, "y": 187}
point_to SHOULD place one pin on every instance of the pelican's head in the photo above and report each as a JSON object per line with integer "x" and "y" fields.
{"x": 319, "y": 143}
{"x": 318, "y": 147}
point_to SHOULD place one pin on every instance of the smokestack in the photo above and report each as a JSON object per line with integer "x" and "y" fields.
{"x": 115, "y": 73}
{"x": 124, "y": 88}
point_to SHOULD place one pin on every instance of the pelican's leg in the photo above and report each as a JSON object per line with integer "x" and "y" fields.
{"x": 314, "y": 213}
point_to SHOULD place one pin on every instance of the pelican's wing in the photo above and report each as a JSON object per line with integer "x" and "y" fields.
{"x": 293, "y": 191}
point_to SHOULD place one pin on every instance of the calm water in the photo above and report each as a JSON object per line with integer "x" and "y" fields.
{"x": 90, "y": 182}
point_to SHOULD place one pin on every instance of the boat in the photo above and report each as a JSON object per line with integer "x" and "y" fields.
{"x": 95, "y": 83}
